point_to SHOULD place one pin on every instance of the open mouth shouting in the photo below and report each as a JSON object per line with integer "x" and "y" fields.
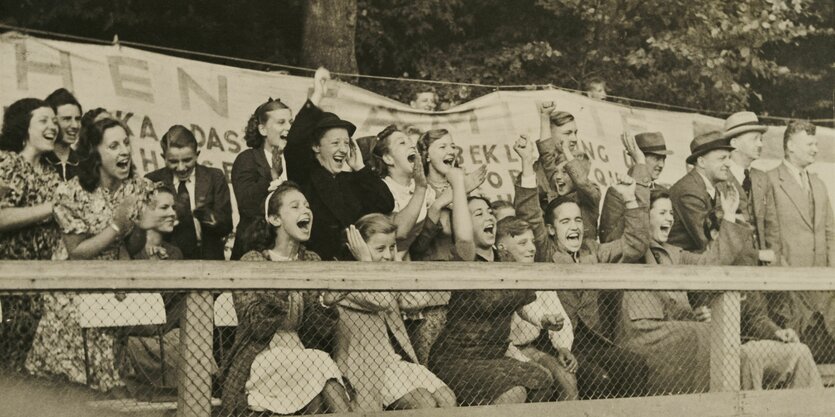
{"x": 339, "y": 158}
{"x": 304, "y": 223}
{"x": 574, "y": 239}
{"x": 123, "y": 164}
{"x": 412, "y": 156}
{"x": 449, "y": 160}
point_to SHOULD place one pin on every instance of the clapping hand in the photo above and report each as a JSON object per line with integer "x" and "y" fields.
{"x": 787, "y": 335}
{"x": 357, "y": 245}
{"x": 729, "y": 200}
{"x": 552, "y": 322}
{"x": 702, "y": 314}
{"x": 767, "y": 256}
{"x": 475, "y": 178}
{"x": 354, "y": 156}
{"x": 567, "y": 360}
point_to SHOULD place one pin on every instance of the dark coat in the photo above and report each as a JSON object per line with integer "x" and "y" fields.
{"x": 692, "y": 206}
{"x": 251, "y": 179}
{"x": 337, "y": 201}
{"x": 611, "y": 215}
{"x": 212, "y": 191}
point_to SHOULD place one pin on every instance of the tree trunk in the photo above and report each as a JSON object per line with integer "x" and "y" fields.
{"x": 329, "y": 33}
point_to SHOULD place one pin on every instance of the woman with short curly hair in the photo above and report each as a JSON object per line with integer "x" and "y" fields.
{"x": 27, "y": 230}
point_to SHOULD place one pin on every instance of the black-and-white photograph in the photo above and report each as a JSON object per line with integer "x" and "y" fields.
{"x": 475, "y": 208}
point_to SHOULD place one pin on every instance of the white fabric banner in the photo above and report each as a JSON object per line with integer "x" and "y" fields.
{"x": 151, "y": 92}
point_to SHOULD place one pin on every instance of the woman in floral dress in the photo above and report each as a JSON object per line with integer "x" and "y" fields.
{"x": 27, "y": 230}
{"x": 96, "y": 211}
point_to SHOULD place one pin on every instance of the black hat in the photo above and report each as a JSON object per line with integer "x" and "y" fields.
{"x": 331, "y": 121}
{"x": 707, "y": 142}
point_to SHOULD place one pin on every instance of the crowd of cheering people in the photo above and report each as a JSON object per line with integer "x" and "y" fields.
{"x": 307, "y": 190}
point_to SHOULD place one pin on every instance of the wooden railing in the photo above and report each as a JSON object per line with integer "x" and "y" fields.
{"x": 199, "y": 278}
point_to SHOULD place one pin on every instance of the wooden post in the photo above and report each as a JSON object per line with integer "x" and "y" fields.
{"x": 725, "y": 342}
{"x": 194, "y": 395}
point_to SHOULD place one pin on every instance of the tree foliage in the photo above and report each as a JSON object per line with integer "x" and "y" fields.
{"x": 771, "y": 56}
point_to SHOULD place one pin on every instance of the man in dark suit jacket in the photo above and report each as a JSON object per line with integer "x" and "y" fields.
{"x": 203, "y": 205}
{"x": 694, "y": 196}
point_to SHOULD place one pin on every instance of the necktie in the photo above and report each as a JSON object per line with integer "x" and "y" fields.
{"x": 807, "y": 186}
{"x": 278, "y": 165}
{"x": 746, "y": 182}
{"x": 184, "y": 211}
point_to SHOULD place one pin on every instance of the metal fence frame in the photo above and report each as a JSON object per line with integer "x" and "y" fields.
{"x": 199, "y": 278}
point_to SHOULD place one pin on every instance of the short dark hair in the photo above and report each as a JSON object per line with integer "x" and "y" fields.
{"x": 252, "y": 136}
{"x": 481, "y": 198}
{"x": 550, "y": 211}
{"x": 511, "y": 226}
{"x": 794, "y": 127}
{"x": 658, "y": 194}
{"x": 61, "y": 97}
{"x": 560, "y": 118}
{"x": 89, "y": 159}
{"x": 16, "y": 122}
{"x": 501, "y": 204}
{"x": 90, "y": 117}
{"x": 178, "y": 136}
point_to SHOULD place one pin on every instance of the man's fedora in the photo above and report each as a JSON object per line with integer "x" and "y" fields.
{"x": 652, "y": 142}
{"x": 707, "y": 142}
{"x": 742, "y": 122}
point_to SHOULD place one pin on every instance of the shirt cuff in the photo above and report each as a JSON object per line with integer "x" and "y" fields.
{"x": 528, "y": 181}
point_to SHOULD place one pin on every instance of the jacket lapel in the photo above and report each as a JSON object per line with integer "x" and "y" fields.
{"x": 261, "y": 161}
{"x": 819, "y": 194}
{"x": 201, "y": 186}
{"x": 794, "y": 191}
{"x": 326, "y": 185}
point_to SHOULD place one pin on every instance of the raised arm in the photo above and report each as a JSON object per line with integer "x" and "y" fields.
{"x": 407, "y": 217}
{"x": 462, "y": 223}
{"x": 298, "y": 153}
{"x": 526, "y": 201}
{"x": 634, "y": 243}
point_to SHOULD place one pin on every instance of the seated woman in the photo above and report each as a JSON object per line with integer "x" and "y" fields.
{"x": 372, "y": 347}
{"x": 154, "y": 367}
{"x": 445, "y": 235}
{"x": 268, "y": 368}
{"x": 662, "y": 326}
{"x": 96, "y": 211}
{"x": 471, "y": 352}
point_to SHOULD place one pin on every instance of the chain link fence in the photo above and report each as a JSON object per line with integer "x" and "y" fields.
{"x": 276, "y": 352}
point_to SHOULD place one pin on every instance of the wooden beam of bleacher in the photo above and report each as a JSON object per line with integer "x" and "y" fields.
{"x": 221, "y": 275}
